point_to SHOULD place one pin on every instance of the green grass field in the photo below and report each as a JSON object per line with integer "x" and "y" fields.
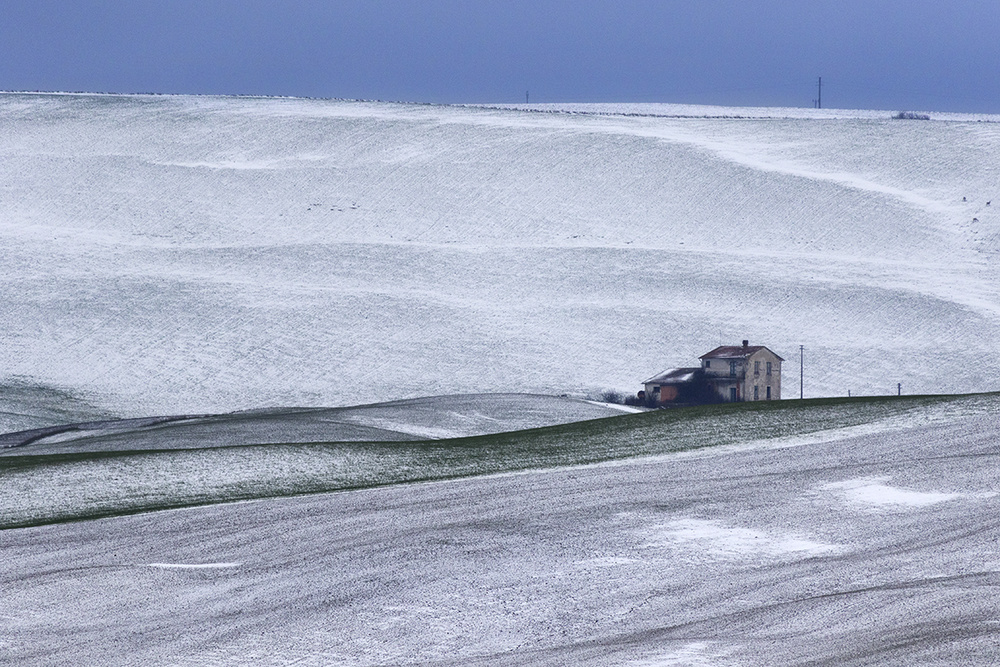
{"x": 41, "y": 489}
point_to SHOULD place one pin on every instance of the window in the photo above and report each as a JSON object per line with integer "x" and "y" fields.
{"x": 732, "y": 369}
{"x": 769, "y": 393}
{"x": 756, "y": 394}
{"x": 756, "y": 368}
{"x": 769, "y": 368}
{"x": 708, "y": 363}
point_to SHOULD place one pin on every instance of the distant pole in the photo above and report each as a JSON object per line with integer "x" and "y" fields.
{"x": 526, "y": 97}
{"x": 819, "y": 97}
{"x": 899, "y": 389}
{"x": 802, "y": 374}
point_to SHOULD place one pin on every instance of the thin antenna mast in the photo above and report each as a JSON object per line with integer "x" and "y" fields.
{"x": 819, "y": 96}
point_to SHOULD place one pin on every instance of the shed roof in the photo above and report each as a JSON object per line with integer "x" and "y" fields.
{"x": 674, "y": 376}
{"x": 736, "y": 352}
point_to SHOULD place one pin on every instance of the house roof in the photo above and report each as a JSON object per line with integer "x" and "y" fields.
{"x": 673, "y": 376}
{"x": 735, "y": 352}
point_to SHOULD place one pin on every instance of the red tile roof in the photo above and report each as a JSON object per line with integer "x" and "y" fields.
{"x": 735, "y": 352}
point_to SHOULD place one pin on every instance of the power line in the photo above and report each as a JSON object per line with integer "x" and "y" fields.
{"x": 801, "y": 373}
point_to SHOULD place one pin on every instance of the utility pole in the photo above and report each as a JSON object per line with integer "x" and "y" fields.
{"x": 819, "y": 97}
{"x": 899, "y": 389}
{"x": 801, "y": 373}
{"x": 526, "y": 97}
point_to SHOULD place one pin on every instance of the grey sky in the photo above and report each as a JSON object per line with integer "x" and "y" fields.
{"x": 921, "y": 55}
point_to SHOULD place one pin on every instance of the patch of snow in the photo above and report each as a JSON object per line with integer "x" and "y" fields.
{"x": 727, "y": 542}
{"x": 194, "y": 566}
{"x": 695, "y": 654}
{"x": 475, "y": 416}
{"x": 617, "y": 406}
{"x": 429, "y": 432}
{"x": 873, "y": 491}
{"x": 605, "y": 561}
{"x": 69, "y": 435}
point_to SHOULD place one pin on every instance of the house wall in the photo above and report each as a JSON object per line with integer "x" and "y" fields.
{"x": 665, "y": 394}
{"x": 723, "y": 386}
{"x": 720, "y": 367}
{"x": 761, "y": 380}
{"x": 668, "y": 393}
{"x": 722, "y": 379}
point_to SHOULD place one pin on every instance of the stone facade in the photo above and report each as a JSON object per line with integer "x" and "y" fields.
{"x": 743, "y": 373}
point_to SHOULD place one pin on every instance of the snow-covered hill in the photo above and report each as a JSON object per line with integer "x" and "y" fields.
{"x": 167, "y": 255}
{"x": 842, "y": 547}
{"x": 429, "y": 418}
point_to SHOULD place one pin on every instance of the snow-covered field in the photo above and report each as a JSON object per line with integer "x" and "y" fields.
{"x": 874, "y": 545}
{"x": 433, "y": 417}
{"x": 170, "y": 255}
{"x": 276, "y": 257}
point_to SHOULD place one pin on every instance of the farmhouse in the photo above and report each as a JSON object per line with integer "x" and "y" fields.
{"x": 728, "y": 374}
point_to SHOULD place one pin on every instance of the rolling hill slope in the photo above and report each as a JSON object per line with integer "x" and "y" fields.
{"x": 133, "y": 467}
{"x": 433, "y": 417}
{"x": 839, "y": 531}
{"x": 171, "y": 255}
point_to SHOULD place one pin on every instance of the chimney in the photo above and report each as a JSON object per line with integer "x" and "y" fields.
{"x": 746, "y": 343}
